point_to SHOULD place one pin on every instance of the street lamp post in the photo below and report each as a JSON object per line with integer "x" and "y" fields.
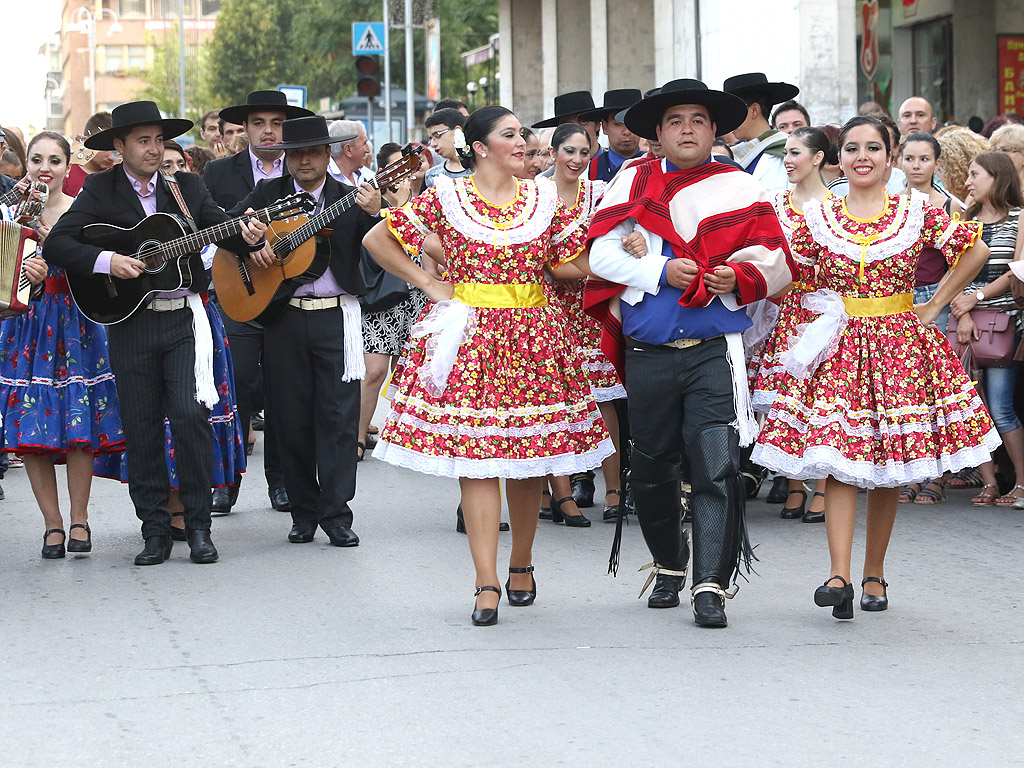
{"x": 84, "y": 20}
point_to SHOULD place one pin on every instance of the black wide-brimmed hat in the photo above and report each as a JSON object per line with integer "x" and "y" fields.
{"x": 566, "y": 105}
{"x": 755, "y": 85}
{"x": 262, "y": 101}
{"x": 614, "y": 101}
{"x": 306, "y": 132}
{"x": 727, "y": 111}
{"x": 132, "y": 115}
{"x": 621, "y": 116}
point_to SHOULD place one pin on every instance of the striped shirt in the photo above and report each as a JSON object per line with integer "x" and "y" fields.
{"x": 1001, "y": 239}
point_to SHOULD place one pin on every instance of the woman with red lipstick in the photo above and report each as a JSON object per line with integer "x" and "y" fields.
{"x": 807, "y": 150}
{"x": 874, "y": 396}
{"x": 492, "y": 387}
{"x": 57, "y": 392}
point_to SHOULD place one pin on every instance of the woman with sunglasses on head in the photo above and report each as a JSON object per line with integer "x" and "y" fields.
{"x": 807, "y": 150}
{"x": 995, "y": 190}
{"x": 874, "y": 396}
{"x": 57, "y": 393}
{"x": 493, "y": 388}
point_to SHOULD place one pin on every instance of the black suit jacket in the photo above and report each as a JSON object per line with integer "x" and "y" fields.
{"x": 108, "y": 197}
{"x": 349, "y": 228}
{"x": 229, "y": 179}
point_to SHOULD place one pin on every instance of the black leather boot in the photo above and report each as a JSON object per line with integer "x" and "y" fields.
{"x": 655, "y": 486}
{"x": 582, "y": 485}
{"x": 719, "y": 531}
{"x": 158, "y": 549}
{"x": 202, "y": 547}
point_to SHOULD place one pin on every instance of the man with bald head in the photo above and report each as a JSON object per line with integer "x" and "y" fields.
{"x": 916, "y": 115}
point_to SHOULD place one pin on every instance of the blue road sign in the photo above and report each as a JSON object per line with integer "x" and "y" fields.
{"x": 367, "y": 38}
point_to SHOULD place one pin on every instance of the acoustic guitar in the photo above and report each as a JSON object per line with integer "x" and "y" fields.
{"x": 165, "y": 242}
{"x": 248, "y": 292}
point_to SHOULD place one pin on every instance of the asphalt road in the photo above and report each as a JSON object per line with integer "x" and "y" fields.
{"x": 308, "y": 655}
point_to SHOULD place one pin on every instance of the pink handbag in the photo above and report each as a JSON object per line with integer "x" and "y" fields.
{"x": 996, "y": 346}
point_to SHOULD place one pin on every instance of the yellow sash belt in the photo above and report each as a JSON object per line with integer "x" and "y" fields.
{"x": 877, "y": 307}
{"x": 504, "y": 295}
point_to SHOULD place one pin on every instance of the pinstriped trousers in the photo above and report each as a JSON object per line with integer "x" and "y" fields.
{"x": 152, "y": 355}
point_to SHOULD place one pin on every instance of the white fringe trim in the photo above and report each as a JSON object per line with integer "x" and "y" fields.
{"x": 512, "y": 469}
{"x": 206, "y": 387}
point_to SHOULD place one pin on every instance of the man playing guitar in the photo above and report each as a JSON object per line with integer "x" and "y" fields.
{"x": 163, "y": 365}
{"x": 313, "y": 352}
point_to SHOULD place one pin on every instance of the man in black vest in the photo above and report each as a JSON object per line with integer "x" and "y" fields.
{"x": 313, "y": 352}
{"x": 230, "y": 179}
{"x": 159, "y": 354}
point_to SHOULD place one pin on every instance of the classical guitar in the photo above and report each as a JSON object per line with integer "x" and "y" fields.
{"x": 248, "y": 292}
{"x": 165, "y": 242}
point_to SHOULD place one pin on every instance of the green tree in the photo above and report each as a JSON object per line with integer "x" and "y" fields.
{"x": 161, "y": 80}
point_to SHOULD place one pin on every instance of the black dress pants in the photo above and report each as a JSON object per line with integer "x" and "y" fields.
{"x": 152, "y": 355}
{"x": 315, "y": 415}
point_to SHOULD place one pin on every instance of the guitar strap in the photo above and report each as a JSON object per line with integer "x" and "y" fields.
{"x": 172, "y": 183}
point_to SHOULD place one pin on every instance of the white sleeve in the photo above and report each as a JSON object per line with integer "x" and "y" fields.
{"x": 610, "y": 261}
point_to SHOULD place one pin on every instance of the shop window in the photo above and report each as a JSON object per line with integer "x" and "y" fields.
{"x": 933, "y": 65}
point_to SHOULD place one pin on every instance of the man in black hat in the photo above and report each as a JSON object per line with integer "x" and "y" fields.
{"x": 162, "y": 355}
{"x": 623, "y": 144}
{"x": 762, "y": 148}
{"x": 230, "y": 179}
{"x": 714, "y": 244}
{"x": 313, "y": 355}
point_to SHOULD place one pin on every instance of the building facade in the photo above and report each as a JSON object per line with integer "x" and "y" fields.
{"x": 107, "y": 45}
{"x": 945, "y": 50}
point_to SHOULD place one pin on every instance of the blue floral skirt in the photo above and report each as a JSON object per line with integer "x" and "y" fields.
{"x": 57, "y": 392}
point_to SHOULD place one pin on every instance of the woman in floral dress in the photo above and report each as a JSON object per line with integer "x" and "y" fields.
{"x": 491, "y": 388}
{"x": 806, "y": 150}
{"x": 58, "y": 396}
{"x": 874, "y": 396}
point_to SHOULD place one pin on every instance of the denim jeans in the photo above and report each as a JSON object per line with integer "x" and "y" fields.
{"x": 923, "y": 294}
{"x": 999, "y": 385}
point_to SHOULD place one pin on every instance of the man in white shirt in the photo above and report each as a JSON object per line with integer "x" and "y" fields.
{"x": 348, "y": 157}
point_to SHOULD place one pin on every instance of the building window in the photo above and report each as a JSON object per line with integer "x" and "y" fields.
{"x": 136, "y": 57}
{"x": 113, "y": 58}
{"x": 210, "y": 7}
{"x": 933, "y": 60}
{"x": 131, "y": 9}
{"x": 168, "y": 9}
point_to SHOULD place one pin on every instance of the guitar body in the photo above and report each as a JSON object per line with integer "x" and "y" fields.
{"x": 248, "y": 292}
{"x": 107, "y": 300}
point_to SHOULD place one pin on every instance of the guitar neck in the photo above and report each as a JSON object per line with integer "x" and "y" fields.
{"x": 194, "y": 242}
{"x": 11, "y": 197}
{"x": 320, "y": 220}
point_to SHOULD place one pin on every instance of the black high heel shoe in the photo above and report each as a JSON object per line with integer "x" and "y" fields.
{"x": 814, "y": 517}
{"x": 485, "y": 617}
{"x": 521, "y": 597}
{"x": 792, "y": 513}
{"x": 611, "y": 514}
{"x": 460, "y": 522}
{"x": 874, "y": 602}
{"x": 80, "y": 545}
{"x": 571, "y": 521}
{"x": 840, "y": 598}
{"x": 54, "y": 551}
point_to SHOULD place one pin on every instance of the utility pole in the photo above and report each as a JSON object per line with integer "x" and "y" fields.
{"x": 410, "y": 94}
{"x": 387, "y": 68}
{"x": 181, "y": 59}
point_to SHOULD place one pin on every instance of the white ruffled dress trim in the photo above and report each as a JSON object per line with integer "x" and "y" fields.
{"x": 540, "y": 203}
{"x": 512, "y": 469}
{"x": 823, "y": 460}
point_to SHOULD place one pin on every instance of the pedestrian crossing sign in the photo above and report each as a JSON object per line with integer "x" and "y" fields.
{"x": 367, "y": 38}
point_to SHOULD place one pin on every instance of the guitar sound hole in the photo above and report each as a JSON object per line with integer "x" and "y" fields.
{"x": 156, "y": 247}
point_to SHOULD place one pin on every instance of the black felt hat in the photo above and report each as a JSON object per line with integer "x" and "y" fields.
{"x": 621, "y": 116}
{"x": 133, "y": 115}
{"x": 614, "y": 101}
{"x": 566, "y": 105}
{"x": 262, "y": 101}
{"x": 755, "y": 85}
{"x": 727, "y": 111}
{"x": 306, "y": 132}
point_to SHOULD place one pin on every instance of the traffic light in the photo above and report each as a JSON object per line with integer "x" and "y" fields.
{"x": 368, "y": 68}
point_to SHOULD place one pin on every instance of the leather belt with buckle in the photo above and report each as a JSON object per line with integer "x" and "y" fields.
{"x": 168, "y": 305}
{"x": 315, "y": 302}
{"x": 686, "y": 343}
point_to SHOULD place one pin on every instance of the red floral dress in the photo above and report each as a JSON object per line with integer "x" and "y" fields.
{"x": 516, "y": 402}
{"x": 568, "y": 295}
{"x": 892, "y": 405}
{"x": 791, "y": 313}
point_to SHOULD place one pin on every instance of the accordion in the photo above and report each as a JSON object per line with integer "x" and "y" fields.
{"x": 17, "y": 243}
